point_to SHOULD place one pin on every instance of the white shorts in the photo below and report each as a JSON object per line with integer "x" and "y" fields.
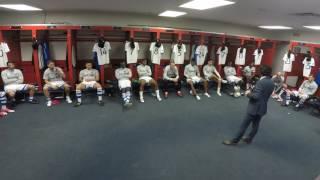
{"x": 146, "y": 78}
{"x": 124, "y": 83}
{"x": 58, "y": 84}
{"x": 195, "y": 79}
{"x": 15, "y": 87}
{"x": 302, "y": 96}
{"x": 89, "y": 84}
{"x": 233, "y": 79}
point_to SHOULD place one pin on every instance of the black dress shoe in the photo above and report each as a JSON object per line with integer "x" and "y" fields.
{"x": 228, "y": 142}
{"x": 247, "y": 140}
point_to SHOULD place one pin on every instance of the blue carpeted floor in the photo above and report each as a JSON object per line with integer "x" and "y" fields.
{"x": 177, "y": 139}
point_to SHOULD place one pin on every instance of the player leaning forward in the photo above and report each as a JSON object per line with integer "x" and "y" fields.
{"x": 53, "y": 77}
{"x": 123, "y": 74}
{"x": 89, "y": 78}
{"x": 144, "y": 72}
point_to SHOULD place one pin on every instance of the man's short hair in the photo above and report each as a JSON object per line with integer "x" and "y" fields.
{"x": 50, "y": 62}
{"x": 265, "y": 70}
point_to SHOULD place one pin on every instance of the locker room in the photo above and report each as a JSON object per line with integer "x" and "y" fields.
{"x": 143, "y": 90}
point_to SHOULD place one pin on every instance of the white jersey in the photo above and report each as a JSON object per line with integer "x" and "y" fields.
{"x": 178, "y": 54}
{"x": 241, "y": 57}
{"x": 4, "y": 49}
{"x": 156, "y": 53}
{"x": 201, "y": 54}
{"x": 257, "y": 56}
{"x": 132, "y": 54}
{"x": 307, "y": 66}
{"x": 287, "y": 62}
{"x": 222, "y": 55}
{"x": 102, "y": 53}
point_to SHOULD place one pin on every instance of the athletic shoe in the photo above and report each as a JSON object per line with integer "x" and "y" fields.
{"x": 219, "y": 93}
{"x": 101, "y": 103}
{"x": 69, "y": 100}
{"x": 179, "y": 94}
{"x": 2, "y": 114}
{"x": 279, "y": 100}
{"x": 166, "y": 95}
{"x": 77, "y": 104}
{"x": 198, "y": 97}
{"x": 229, "y": 143}
{"x": 224, "y": 81}
{"x": 142, "y": 100}
{"x": 49, "y": 103}
{"x": 7, "y": 110}
{"x": 159, "y": 98}
{"x": 207, "y": 94}
{"x": 127, "y": 103}
{"x": 33, "y": 101}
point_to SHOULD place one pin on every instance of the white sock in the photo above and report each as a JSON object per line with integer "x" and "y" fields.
{"x": 141, "y": 94}
{"x": 158, "y": 93}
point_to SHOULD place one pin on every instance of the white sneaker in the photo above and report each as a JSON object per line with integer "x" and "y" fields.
{"x": 159, "y": 98}
{"x": 224, "y": 81}
{"x": 142, "y": 100}
{"x": 207, "y": 94}
{"x": 69, "y": 100}
{"x": 198, "y": 97}
{"x": 49, "y": 103}
{"x": 219, "y": 93}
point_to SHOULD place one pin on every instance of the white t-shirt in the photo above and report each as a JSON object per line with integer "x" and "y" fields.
{"x": 222, "y": 55}
{"x": 287, "y": 62}
{"x": 4, "y": 49}
{"x": 257, "y": 57}
{"x": 307, "y": 66}
{"x": 156, "y": 53}
{"x": 178, "y": 54}
{"x": 132, "y": 54}
{"x": 241, "y": 57}
{"x": 201, "y": 54}
{"x": 102, "y": 53}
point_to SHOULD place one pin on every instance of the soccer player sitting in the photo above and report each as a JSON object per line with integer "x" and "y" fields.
{"x": 230, "y": 73}
{"x": 278, "y": 81}
{"x": 123, "y": 74}
{"x": 13, "y": 82}
{"x": 249, "y": 73}
{"x": 171, "y": 74}
{"x": 53, "y": 77}
{"x": 307, "y": 89}
{"x": 211, "y": 74}
{"x": 89, "y": 78}
{"x": 144, "y": 72}
{"x": 192, "y": 73}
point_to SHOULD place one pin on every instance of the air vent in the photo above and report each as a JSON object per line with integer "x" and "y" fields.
{"x": 306, "y": 14}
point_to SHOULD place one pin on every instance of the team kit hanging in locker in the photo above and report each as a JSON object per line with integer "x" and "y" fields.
{"x": 102, "y": 55}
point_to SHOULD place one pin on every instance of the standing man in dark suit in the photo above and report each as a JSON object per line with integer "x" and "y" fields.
{"x": 257, "y": 107}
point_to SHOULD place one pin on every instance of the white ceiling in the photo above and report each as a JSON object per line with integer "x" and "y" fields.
{"x": 246, "y": 12}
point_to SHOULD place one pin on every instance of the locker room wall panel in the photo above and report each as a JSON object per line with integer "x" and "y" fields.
{"x": 26, "y": 51}
{"x": 84, "y": 50}
{"x": 281, "y": 49}
{"x": 11, "y": 38}
{"x": 58, "y": 50}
